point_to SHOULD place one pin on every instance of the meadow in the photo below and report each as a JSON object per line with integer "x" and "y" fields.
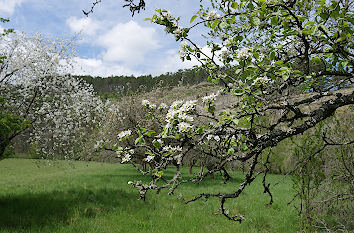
{"x": 63, "y": 196}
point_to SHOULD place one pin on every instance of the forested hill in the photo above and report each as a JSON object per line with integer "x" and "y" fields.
{"x": 116, "y": 86}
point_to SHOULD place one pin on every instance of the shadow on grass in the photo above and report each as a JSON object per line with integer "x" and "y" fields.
{"x": 21, "y": 212}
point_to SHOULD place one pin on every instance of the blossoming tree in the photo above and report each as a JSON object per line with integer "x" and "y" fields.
{"x": 56, "y": 109}
{"x": 271, "y": 56}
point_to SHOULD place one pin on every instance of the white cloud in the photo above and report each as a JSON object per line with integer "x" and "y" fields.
{"x": 128, "y": 43}
{"x": 171, "y": 62}
{"x": 7, "y": 7}
{"x": 85, "y": 25}
{"x": 97, "y": 67}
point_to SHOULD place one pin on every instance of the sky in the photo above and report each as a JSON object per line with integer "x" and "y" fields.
{"x": 110, "y": 41}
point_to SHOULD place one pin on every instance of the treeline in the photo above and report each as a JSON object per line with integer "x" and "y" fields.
{"x": 116, "y": 86}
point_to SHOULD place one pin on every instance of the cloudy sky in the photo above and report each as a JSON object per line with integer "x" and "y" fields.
{"x": 112, "y": 42}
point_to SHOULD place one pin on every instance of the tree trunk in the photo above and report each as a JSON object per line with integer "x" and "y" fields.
{"x": 3, "y": 144}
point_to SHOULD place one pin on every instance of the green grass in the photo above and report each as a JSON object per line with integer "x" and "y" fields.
{"x": 95, "y": 197}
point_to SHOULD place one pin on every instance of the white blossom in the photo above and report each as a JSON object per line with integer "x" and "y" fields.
{"x": 217, "y": 138}
{"x": 210, "y": 98}
{"x": 224, "y": 55}
{"x": 178, "y": 32}
{"x": 163, "y": 106}
{"x": 262, "y": 80}
{"x": 145, "y": 103}
{"x": 244, "y": 53}
{"x": 149, "y": 158}
{"x": 126, "y": 158}
{"x": 64, "y": 109}
{"x": 184, "y": 127}
{"x": 98, "y": 144}
{"x": 124, "y": 134}
{"x": 168, "y": 15}
{"x": 178, "y": 159}
{"x": 212, "y": 15}
{"x": 160, "y": 141}
{"x": 184, "y": 117}
{"x": 183, "y": 51}
{"x": 171, "y": 148}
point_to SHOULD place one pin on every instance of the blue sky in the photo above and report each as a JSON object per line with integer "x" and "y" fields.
{"x": 112, "y": 42}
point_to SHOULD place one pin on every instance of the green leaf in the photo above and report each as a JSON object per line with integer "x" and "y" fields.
{"x": 335, "y": 13}
{"x": 156, "y": 144}
{"x": 236, "y": 121}
{"x": 278, "y": 63}
{"x": 323, "y": 15}
{"x": 316, "y": 60}
{"x": 231, "y": 151}
{"x": 215, "y": 23}
{"x": 211, "y": 109}
{"x": 274, "y": 20}
{"x": 140, "y": 140}
{"x": 193, "y": 18}
{"x": 223, "y": 25}
{"x": 149, "y": 133}
{"x": 200, "y": 130}
{"x": 272, "y": 55}
{"x": 234, "y": 5}
{"x": 255, "y": 21}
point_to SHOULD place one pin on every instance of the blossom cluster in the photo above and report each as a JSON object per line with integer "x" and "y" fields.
{"x": 210, "y": 98}
{"x": 183, "y": 51}
{"x": 147, "y": 104}
{"x": 125, "y": 154}
{"x": 124, "y": 134}
{"x": 178, "y": 115}
{"x": 262, "y": 80}
{"x": 244, "y": 53}
{"x": 212, "y": 15}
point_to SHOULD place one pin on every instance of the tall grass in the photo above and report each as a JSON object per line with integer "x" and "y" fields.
{"x": 95, "y": 197}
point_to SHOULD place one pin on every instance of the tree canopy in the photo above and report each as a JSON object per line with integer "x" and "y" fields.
{"x": 282, "y": 62}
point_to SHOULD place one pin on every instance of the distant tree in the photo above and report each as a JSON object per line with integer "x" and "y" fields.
{"x": 9, "y": 123}
{"x": 56, "y": 110}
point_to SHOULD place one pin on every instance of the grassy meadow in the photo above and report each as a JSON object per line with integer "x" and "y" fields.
{"x": 67, "y": 196}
